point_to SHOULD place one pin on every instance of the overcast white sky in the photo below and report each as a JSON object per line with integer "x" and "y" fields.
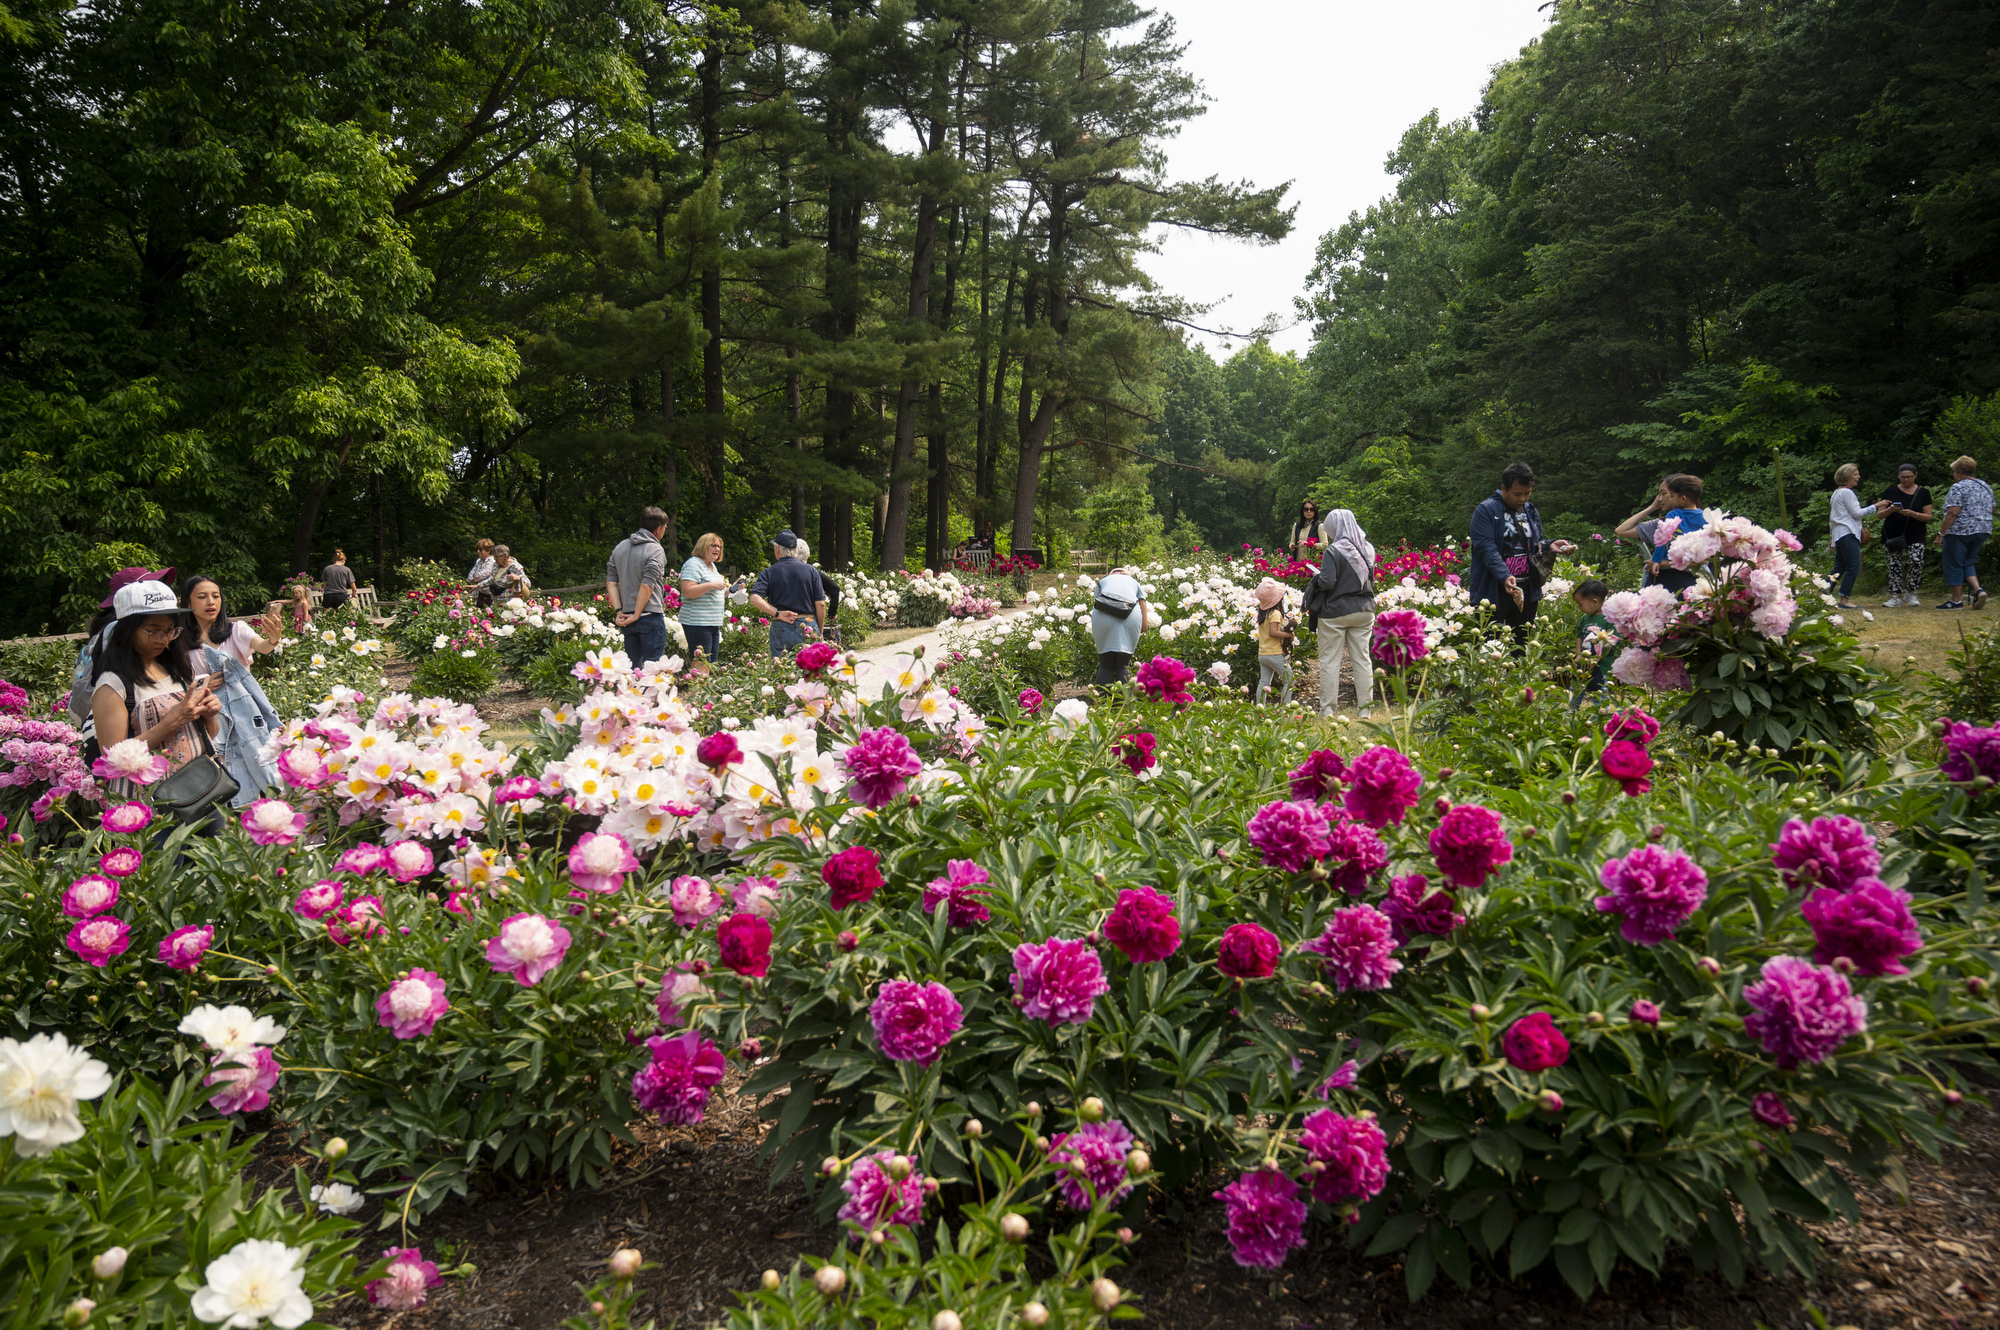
{"x": 1316, "y": 92}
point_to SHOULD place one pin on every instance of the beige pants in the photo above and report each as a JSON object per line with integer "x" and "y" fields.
{"x": 1349, "y": 634}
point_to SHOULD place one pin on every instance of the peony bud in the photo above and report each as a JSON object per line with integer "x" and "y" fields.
{"x": 1127, "y": 1236}
{"x": 1710, "y": 966}
{"x": 947, "y": 1320}
{"x": 1528, "y": 696}
{"x": 598, "y": 1309}
{"x": 1034, "y": 1315}
{"x": 624, "y": 1263}
{"x": 1034, "y": 1109}
{"x": 1099, "y": 879}
{"x": 1594, "y": 1018}
{"x": 109, "y": 1262}
{"x": 1318, "y": 873}
{"x": 930, "y": 1186}
{"x": 1222, "y": 853}
{"x": 1104, "y": 1295}
{"x": 974, "y": 1128}
{"x": 1440, "y": 806}
{"x": 771, "y": 1279}
{"x": 335, "y": 1150}
{"x": 1656, "y": 832}
{"x": 1569, "y": 796}
{"x": 847, "y": 941}
{"x": 1479, "y": 1011}
{"x": 877, "y": 1237}
{"x": 1093, "y": 1109}
{"x": 829, "y": 1280}
{"x": 78, "y": 1312}
{"x": 1445, "y": 773}
{"x": 751, "y": 1049}
{"x": 1138, "y": 1162}
{"x": 1551, "y": 1102}
{"x": 1973, "y": 985}
{"x": 899, "y": 1167}
{"x": 1014, "y": 1228}
{"x": 1844, "y": 964}
{"x": 829, "y": 1167}
{"x": 1952, "y": 1099}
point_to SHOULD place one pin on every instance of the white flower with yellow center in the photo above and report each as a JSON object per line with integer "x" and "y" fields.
{"x": 41, "y": 1082}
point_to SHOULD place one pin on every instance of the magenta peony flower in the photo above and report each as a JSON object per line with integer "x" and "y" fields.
{"x": 1165, "y": 679}
{"x": 1319, "y": 775}
{"x": 408, "y": 860}
{"x": 1629, "y": 765}
{"x": 1399, "y": 639}
{"x": 1101, "y": 1148}
{"x": 274, "y": 822}
{"x": 1869, "y": 925}
{"x": 880, "y": 764}
{"x": 1143, "y": 926}
{"x": 1770, "y": 1110}
{"x": 97, "y": 940}
{"x": 745, "y": 941}
{"x": 529, "y": 946}
{"x": 1058, "y": 981}
{"x": 126, "y": 819}
{"x": 1355, "y": 1153}
{"x": 692, "y": 900}
{"x": 1835, "y": 852}
{"x": 680, "y": 988}
{"x": 1030, "y": 701}
{"x": 1288, "y": 835}
{"x": 304, "y": 768}
{"x": 407, "y": 1283}
{"x": 363, "y": 914}
{"x": 1801, "y": 1012}
{"x": 814, "y": 657}
{"x": 1354, "y": 853}
{"x": 1382, "y": 787}
{"x": 1470, "y": 845}
{"x": 1266, "y": 1217}
{"x": 600, "y": 860}
{"x": 683, "y": 1073}
{"x": 363, "y": 859}
{"x": 412, "y": 1005}
{"x": 876, "y": 1199}
{"x": 1135, "y": 750}
{"x": 1533, "y": 1043}
{"x": 853, "y": 876}
{"x": 959, "y": 892}
{"x": 1247, "y": 951}
{"x": 518, "y": 789}
{"x": 1655, "y": 889}
{"x": 1356, "y": 947}
{"x": 247, "y": 1079}
{"x": 1632, "y": 724}
{"x": 1343, "y": 1076}
{"x": 183, "y": 948}
{"x": 318, "y": 900}
{"x": 1970, "y": 752}
{"x": 718, "y": 750}
{"x": 913, "y": 1022}
{"x": 121, "y": 862}
{"x": 1645, "y": 1013}
{"x": 90, "y": 895}
{"x": 1413, "y": 908}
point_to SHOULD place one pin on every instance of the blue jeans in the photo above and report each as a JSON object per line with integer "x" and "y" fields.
{"x": 707, "y": 637}
{"x": 646, "y": 639}
{"x": 1846, "y": 563}
{"x": 1961, "y": 559}
{"x": 787, "y": 638}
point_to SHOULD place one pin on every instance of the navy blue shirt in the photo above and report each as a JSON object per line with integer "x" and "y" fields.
{"x": 1498, "y": 535}
{"x": 790, "y": 585}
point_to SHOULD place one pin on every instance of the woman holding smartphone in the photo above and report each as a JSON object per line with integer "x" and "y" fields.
{"x": 142, "y": 682}
{"x": 1909, "y": 509}
{"x": 213, "y": 627}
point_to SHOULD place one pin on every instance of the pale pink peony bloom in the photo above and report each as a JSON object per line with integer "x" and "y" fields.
{"x": 127, "y": 819}
{"x": 412, "y": 1005}
{"x": 409, "y": 860}
{"x": 274, "y": 822}
{"x": 528, "y": 947}
{"x": 129, "y": 760}
{"x": 247, "y": 1079}
{"x": 407, "y": 1283}
{"x": 98, "y": 940}
{"x": 600, "y": 860}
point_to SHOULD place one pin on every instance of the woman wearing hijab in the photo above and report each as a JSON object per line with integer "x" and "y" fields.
{"x": 1303, "y": 543}
{"x": 1340, "y": 607}
{"x": 1117, "y": 617}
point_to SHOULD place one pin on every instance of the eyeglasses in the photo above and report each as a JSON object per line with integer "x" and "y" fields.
{"x": 159, "y": 630}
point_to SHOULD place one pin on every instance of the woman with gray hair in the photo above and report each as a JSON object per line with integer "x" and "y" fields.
{"x": 1340, "y": 608}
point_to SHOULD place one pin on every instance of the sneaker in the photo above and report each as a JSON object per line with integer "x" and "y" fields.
{"x": 1892, "y": 602}
{"x": 1952, "y": 605}
{"x": 1979, "y": 598}
{"x": 1913, "y": 602}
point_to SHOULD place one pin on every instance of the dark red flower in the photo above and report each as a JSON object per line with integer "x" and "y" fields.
{"x": 854, "y": 876}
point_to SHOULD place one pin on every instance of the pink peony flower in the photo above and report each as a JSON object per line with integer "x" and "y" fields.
{"x": 247, "y": 1079}
{"x": 1470, "y": 845}
{"x": 745, "y": 940}
{"x": 1645, "y": 1013}
{"x": 363, "y": 915}
{"x": 126, "y": 819}
{"x": 1629, "y": 765}
{"x": 99, "y": 939}
{"x": 692, "y": 900}
{"x": 1632, "y": 724}
{"x": 718, "y": 750}
{"x": 183, "y": 948}
{"x": 600, "y": 860}
{"x": 318, "y": 900}
{"x": 1835, "y": 852}
{"x": 1319, "y": 775}
{"x": 1635, "y": 666}
{"x": 1355, "y": 1153}
{"x": 1399, "y": 639}
{"x": 1413, "y": 908}
{"x": 1355, "y": 949}
{"x": 1655, "y": 890}
{"x": 1289, "y": 835}
{"x": 304, "y": 768}
{"x": 1343, "y": 1076}
{"x": 1030, "y": 701}
{"x": 1382, "y": 787}
{"x": 876, "y": 1199}
{"x": 517, "y": 789}
{"x": 959, "y": 891}
{"x": 1533, "y": 1043}
{"x": 91, "y": 894}
{"x": 1354, "y": 853}
{"x": 814, "y": 657}
{"x": 412, "y": 1005}
{"x": 680, "y": 988}
{"x": 1101, "y": 1148}
{"x": 1801, "y": 1012}
{"x": 529, "y": 946}
{"x": 121, "y": 862}
{"x": 1970, "y": 752}
{"x": 363, "y": 859}
{"x": 409, "y": 860}
{"x": 683, "y": 1073}
{"x": 1870, "y": 925}
{"x": 274, "y": 822}
{"x": 407, "y": 1283}
{"x": 1670, "y": 675}
{"x": 853, "y": 876}
{"x": 1247, "y": 951}
{"x": 1058, "y": 981}
{"x": 1143, "y": 926}
{"x": 1770, "y": 1110}
{"x": 1266, "y": 1218}
{"x": 880, "y": 764}
{"x": 130, "y": 760}
{"x": 913, "y": 1022}
{"x": 1165, "y": 679}
{"x": 1135, "y": 750}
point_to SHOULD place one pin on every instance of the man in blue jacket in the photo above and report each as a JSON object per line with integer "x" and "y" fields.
{"x": 1509, "y": 557}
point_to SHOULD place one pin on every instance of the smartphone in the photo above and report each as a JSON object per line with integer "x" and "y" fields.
{"x": 200, "y": 681}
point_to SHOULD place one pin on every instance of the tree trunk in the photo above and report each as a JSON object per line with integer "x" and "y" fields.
{"x": 714, "y": 403}
{"x": 896, "y": 514}
{"x": 673, "y": 471}
{"x": 302, "y": 537}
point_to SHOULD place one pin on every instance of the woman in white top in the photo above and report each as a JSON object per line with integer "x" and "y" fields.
{"x": 1848, "y": 513}
{"x": 142, "y": 682}
{"x": 213, "y": 627}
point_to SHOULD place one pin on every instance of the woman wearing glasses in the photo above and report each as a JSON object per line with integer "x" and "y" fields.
{"x": 142, "y": 684}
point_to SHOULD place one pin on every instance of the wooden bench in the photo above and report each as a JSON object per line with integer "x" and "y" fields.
{"x": 1087, "y": 560}
{"x": 364, "y": 597}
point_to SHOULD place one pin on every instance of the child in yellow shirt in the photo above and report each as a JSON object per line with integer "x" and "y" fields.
{"x": 1275, "y": 633}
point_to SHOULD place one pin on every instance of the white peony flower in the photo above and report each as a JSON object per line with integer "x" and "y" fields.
{"x": 230, "y": 1030}
{"x": 440, "y": 642}
{"x": 1071, "y": 711}
{"x": 255, "y": 1281}
{"x": 40, "y": 1084}
{"x": 338, "y": 1197}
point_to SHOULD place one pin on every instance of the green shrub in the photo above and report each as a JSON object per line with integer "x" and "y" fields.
{"x": 40, "y": 668}
{"x": 1969, "y": 688}
{"x": 549, "y": 674}
{"x": 462, "y": 676}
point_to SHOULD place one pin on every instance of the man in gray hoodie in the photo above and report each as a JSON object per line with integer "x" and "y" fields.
{"x": 635, "y": 586}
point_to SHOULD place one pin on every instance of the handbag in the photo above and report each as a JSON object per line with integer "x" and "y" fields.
{"x": 1895, "y": 544}
{"x": 192, "y": 792}
{"x": 1116, "y": 608}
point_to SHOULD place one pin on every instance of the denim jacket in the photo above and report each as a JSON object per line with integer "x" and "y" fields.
{"x": 248, "y": 724}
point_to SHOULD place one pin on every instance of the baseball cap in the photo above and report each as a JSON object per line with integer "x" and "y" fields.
{"x": 125, "y": 577}
{"x": 785, "y": 540}
{"x": 138, "y": 599}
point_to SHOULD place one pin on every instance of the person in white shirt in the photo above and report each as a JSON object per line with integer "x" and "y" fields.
{"x": 1847, "y": 515}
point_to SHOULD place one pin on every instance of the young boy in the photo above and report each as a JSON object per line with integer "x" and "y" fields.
{"x": 1593, "y": 631}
